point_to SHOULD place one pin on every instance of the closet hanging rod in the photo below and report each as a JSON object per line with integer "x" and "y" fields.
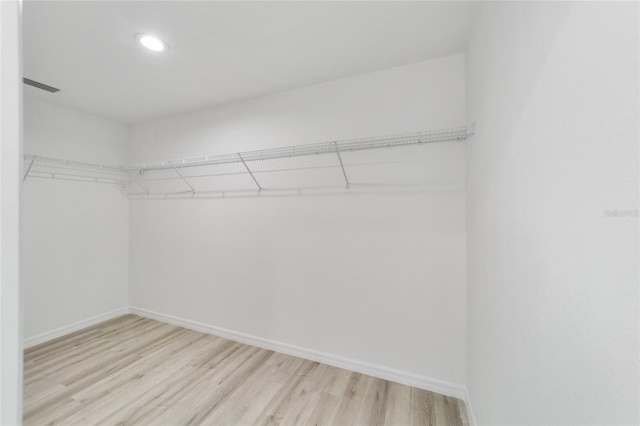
{"x": 452, "y": 134}
{"x": 76, "y": 178}
{"x": 38, "y": 160}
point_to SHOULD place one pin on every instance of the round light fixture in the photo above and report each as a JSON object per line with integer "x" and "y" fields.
{"x": 151, "y": 42}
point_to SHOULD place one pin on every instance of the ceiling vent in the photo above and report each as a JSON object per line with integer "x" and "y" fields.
{"x": 39, "y": 85}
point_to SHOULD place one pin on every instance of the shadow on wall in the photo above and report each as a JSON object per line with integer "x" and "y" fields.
{"x": 313, "y": 192}
{"x": 515, "y": 88}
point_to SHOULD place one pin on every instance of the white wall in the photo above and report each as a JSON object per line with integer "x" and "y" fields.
{"x": 377, "y": 278}
{"x": 10, "y": 170}
{"x": 75, "y": 235}
{"x": 421, "y": 96}
{"x": 552, "y": 281}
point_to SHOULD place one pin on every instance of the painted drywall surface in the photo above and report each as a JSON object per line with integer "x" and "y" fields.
{"x": 376, "y": 278}
{"x": 10, "y": 171}
{"x": 56, "y": 131}
{"x": 552, "y": 280}
{"x": 75, "y": 242}
{"x": 422, "y": 96}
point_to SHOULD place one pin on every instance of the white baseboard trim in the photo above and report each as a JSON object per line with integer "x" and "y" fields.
{"x": 467, "y": 403}
{"x": 58, "y": 332}
{"x": 415, "y": 380}
{"x": 398, "y": 376}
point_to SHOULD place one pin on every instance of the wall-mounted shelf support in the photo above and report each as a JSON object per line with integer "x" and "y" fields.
{"x": 344, "y": 172}
{"x": 181, "y": 176}
{"x": 24, "y": 178}
{"x": 136, "y": 180}
{"x": 250, "y": 172}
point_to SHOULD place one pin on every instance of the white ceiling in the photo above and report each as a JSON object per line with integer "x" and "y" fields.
{"x": 221, "y": 52}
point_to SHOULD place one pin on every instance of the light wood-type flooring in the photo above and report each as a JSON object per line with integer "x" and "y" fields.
{"x": 137, "y": 371}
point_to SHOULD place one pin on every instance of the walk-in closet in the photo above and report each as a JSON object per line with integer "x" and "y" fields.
{"x": 319, "y": 213}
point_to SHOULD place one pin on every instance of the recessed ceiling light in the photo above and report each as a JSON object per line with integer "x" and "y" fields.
{"x": 151, "y": 42}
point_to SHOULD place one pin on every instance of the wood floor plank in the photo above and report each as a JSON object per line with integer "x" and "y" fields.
{"x": 422, "y": 410}
{"x": 398, "y": 405}
{"x": 253, "y": 395}
{"x": 39, "y": 390}
{"x": 373, "y": 409}
{"x": 351, "y": 398}
{"x": 136, "y": 371}
{"x": 446, "y": 410}
{"x": 325, "y": 410}
{"x": 308, "y": 395}
{"x": 289, "y": 406}
{"x": 462, "y": 410}
{"x": 191, "y": 368}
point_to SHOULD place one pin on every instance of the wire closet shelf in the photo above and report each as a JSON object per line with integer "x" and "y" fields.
{"x": 324, "y": 166}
